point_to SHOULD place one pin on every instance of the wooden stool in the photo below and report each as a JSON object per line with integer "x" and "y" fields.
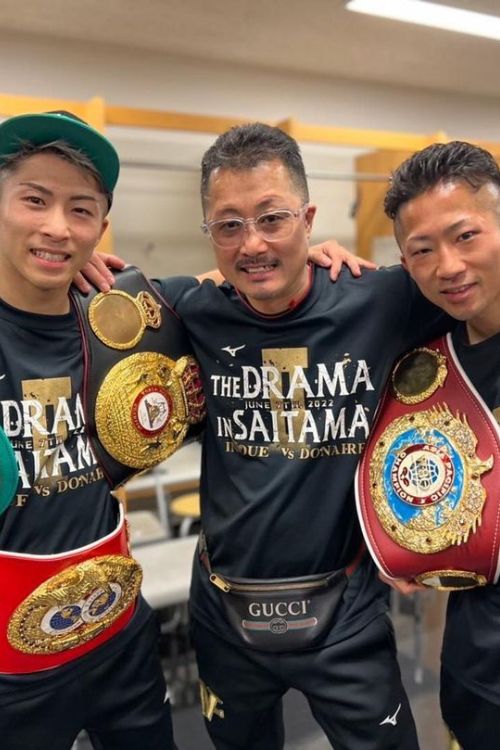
{"x": 186, "y": 507}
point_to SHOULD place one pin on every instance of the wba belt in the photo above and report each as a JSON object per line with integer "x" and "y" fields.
{"x": 427, "y": 487}
{"x": 142, "y": 388}
{"x": 56, "y": 608}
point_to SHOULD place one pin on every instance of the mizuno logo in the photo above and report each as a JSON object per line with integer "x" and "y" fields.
{"x": 391, "y": 719}
{"x": 232, "y": 349}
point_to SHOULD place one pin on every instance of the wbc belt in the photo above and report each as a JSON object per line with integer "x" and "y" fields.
{"x": 56, "y": 608}
{"x": 142, "y": 389}
{"x": 427, "y": 487}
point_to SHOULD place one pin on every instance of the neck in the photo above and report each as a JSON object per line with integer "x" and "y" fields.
{"x": 48, "y": 302}
{"x": 478, "y": 330}
{"x": 277, "y": 307}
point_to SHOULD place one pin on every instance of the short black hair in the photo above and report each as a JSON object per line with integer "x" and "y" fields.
{"x": 245, "y": 146}
{"x": 457, "y": 161}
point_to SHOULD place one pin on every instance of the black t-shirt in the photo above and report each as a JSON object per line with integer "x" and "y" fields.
{"x": 290, "y": 400}
{"x": 471, "y": 644}
{"x": 63, "y": 501}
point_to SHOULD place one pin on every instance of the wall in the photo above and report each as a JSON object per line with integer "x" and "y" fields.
{"x": 157, "y": 214}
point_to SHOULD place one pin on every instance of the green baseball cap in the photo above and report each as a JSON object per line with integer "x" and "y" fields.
{"x": 46, "y": 127}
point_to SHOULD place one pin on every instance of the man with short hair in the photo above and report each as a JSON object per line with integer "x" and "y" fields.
{"x": 78, "y": 643}
{"x": 292, "y": 367}
{"x": 445, "y": 204}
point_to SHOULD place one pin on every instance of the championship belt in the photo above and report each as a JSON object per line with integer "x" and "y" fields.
{"x": 427, "y": 487}
{"x": 142, "y": 390}
{"x": 56, "y": 608}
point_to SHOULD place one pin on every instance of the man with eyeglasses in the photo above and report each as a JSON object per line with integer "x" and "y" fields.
{"x": 292, "y": 365}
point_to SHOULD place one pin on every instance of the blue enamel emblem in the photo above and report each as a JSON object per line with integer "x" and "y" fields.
{"x": 423, "y": 470}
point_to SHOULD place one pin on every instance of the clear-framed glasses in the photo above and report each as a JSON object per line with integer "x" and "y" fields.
{"x": 272, "y": 226}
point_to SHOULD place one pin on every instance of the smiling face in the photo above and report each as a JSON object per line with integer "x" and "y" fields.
{"x": 269, "y": 274}
{"x": 52, "y": 215}
{"x": 449, "y": 238}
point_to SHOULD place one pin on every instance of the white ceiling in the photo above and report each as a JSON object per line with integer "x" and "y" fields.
{"x": 318, "y": 37}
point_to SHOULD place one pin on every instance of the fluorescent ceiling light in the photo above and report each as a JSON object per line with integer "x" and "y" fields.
{"x": 431, "y": 14}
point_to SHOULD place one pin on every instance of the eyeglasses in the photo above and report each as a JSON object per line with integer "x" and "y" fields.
{"x": 272, "y": 226}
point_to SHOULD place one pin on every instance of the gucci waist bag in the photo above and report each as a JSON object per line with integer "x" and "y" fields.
{"x": 281, "y": 614}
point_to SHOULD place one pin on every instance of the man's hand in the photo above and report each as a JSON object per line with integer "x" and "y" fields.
{"x": 331, "y": 255}
{"x": 96, "y": 273}
{"x": 403, "y": 586}
{"x": 214, "y": 275}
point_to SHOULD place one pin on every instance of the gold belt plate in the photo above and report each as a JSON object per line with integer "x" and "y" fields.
{"x": 425, "y": 480}
{"x": 418, "y": 375}
{"x": 75, "y": 605}
{"x": 119, "y": 320}
{"x": 142, "y": 414}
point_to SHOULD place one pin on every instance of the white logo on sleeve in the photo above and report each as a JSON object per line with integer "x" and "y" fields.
{"x": 391, "y": 719}
{"x": 232, "y": 349}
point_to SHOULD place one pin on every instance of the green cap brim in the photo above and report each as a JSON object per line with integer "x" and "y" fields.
{"x": 47, "y": 127}
{"x": 9, "y": 474}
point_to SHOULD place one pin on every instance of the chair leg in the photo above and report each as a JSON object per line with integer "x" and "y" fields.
{"x": 185, "y": 527}
{"x": 418, "y": 635}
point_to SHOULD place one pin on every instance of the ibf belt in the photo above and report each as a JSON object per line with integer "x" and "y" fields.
{"x": 56, "y": 608}
{"x": 142, "y": 389}
{"x": 427, "y": 484}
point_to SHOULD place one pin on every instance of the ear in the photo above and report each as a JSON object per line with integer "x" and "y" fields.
{"x": 403, "y": 262}
{"x": 309, "y": 218}
{"x": 105, "y": 225}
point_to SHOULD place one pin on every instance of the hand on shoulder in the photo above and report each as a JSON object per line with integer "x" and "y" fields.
{"x": 330, "y": 254}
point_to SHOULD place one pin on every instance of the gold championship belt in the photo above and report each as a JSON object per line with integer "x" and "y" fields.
{"x": 75, "y": 605}
{"x": 143, "y": 392}
{"x": 427, "y": 485}
{"x": 57, "y": 608}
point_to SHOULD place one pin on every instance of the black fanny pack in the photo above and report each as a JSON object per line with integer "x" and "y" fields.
{"x": 281, "y": 614}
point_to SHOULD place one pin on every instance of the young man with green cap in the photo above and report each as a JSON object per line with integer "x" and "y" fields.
{"x": 77, "y": 641}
